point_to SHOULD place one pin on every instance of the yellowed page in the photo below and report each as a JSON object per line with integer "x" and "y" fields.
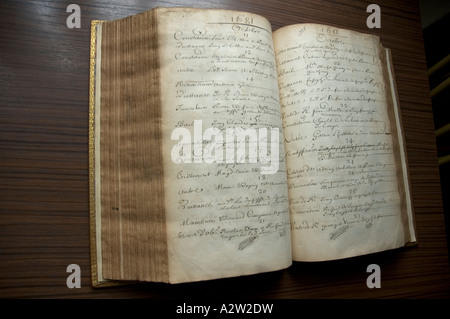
{"x": 226, "y": 212}
{"x": 342, "y": 178}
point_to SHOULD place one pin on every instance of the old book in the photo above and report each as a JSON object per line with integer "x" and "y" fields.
{"x": 219, "y": 148}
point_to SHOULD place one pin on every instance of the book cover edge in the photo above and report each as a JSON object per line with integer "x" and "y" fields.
{"x": 92, "y": 212}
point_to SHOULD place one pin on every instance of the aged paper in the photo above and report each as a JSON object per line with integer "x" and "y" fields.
{"x": 227, "y": 211}
{"x": 342, "y": 180}
{"x": 229, "y": 150}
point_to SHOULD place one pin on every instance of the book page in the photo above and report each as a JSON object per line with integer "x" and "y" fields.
{"x": 342, "y": 174}
{"x": 225, "y": 178}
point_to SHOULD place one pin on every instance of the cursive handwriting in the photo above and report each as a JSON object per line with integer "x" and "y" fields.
{"x": 221, "y": 71}
{"x": 339, "y": 151}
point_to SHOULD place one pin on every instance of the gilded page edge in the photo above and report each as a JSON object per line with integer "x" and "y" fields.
{"x": 95, "y": 282}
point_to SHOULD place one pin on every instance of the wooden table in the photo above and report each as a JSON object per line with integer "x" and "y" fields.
{"x": 44, "y": 207}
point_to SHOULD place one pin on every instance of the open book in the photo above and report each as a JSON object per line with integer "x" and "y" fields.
{"x": 219, "y": 148}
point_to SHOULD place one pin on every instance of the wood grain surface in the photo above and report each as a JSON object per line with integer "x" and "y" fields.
{"x": 44, "y": 191}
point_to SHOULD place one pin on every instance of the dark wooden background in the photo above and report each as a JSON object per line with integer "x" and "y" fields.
{"x": 44, "y": 222}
